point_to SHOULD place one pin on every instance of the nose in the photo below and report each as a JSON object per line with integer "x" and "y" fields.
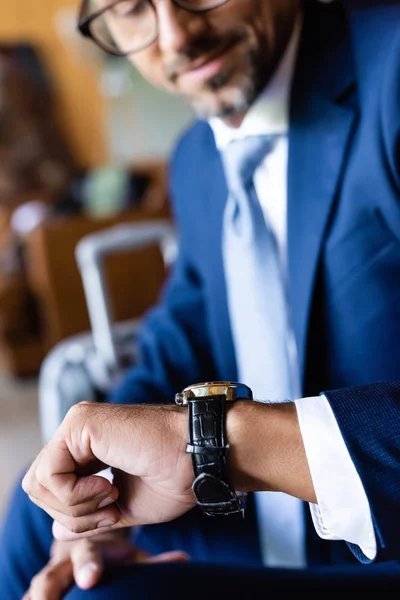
{"x": 176, "y": 26}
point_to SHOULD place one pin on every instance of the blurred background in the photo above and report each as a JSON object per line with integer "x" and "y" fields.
{"x": 83, "y": 147}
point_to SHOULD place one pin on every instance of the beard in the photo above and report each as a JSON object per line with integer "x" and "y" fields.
{"x": 229, "y": 94}
{"x": 232, "y": 91}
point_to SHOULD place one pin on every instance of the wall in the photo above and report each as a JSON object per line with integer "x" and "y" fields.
{"x": 50, "y": 24}
{"x": 142, "y": 122}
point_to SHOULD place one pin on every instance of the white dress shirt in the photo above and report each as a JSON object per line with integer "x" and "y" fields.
{"x": 342, "y": 512}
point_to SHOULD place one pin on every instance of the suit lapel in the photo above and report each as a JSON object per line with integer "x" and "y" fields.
{"x": 321, "y": 123}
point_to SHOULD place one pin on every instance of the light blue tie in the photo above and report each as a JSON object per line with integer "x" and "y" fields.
{"x": 258, "y": 315}
{"x": 256, "y": 294}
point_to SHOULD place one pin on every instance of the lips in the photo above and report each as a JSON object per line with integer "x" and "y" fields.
{"x": 206, "y": 68}
{"x": 203, "y": 62}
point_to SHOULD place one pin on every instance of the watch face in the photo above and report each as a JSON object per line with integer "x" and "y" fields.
{"x": 231, "y": 390}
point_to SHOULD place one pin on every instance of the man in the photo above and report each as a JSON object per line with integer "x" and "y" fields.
{"x": 322, "y": 82}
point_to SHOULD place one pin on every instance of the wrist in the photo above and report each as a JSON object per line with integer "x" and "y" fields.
{"x": 207, "y": 404}
{"x": 179, "y": 427}
{"x": 266, "y": 449}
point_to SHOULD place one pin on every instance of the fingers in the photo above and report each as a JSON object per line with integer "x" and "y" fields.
{"x": 52, "y": 582}
{"x": 78, "y": 503}
{"x": 174, "y": 556}
{"x": 63, "y": 480}
{"x": 87, "y": 507}
{"x": 102, "y": 520}
{"x": 84, "y": 565}
{"x": 88, "y": 557}
{"x": 52, "y": 480}
{"x": 63, "y": 533}
{"x": 63, "y": 476}
{"x": 87, "y": 563}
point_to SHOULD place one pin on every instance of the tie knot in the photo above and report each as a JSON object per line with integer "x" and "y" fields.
{"x": 242, "y": 157}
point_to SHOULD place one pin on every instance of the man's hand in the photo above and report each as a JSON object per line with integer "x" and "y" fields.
{"x": 145, "y": 446}
{"x": 83, "y": 561}
{"x": 153, "y": 475}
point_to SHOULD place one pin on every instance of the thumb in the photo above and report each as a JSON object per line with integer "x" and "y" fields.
{"x": 87, "y": 563}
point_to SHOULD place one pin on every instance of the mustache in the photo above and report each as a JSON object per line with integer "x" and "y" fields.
{"x": 197, "y": 49}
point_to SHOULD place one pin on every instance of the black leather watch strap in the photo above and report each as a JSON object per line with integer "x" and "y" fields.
{"x": 209, "y": 449}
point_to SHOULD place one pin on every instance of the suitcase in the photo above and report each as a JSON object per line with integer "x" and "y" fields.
{"x": 86, "y": 366}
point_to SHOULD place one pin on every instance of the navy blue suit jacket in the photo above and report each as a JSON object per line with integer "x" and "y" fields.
{"x": 343, "y": 251}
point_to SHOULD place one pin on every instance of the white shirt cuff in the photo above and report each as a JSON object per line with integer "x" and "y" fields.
{"x": 342, "y": 512}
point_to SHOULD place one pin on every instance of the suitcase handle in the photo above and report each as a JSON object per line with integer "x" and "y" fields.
{"x": 90, "y": 253}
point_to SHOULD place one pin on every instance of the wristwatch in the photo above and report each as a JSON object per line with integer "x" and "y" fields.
{"x": 207, "y": 405}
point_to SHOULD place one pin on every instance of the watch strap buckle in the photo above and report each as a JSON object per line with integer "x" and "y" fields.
{"x": 217, "y": 497}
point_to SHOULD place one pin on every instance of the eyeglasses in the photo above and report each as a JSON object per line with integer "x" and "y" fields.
{"x": 123, "y": 27}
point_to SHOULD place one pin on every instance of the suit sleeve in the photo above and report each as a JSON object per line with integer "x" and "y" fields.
{"x": 369, "y": 420}
{"x": 174, "y": 347}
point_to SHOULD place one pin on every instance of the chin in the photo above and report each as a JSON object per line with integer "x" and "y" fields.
{"x": 228, "y": 101}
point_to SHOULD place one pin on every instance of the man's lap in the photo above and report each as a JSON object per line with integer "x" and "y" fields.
{"x": 26, "y": 539}
{"x": 25, "y": 542}
{"x": 218, "y": 561}
{"x": 199, "y": 581}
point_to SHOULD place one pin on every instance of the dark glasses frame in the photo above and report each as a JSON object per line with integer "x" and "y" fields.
{"x": 85, "y": 20}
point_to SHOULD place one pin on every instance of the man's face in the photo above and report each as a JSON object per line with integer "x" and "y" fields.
{"x": 218, "y": 61}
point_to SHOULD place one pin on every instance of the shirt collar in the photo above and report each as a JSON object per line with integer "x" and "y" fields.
{"x": 270, "y": 113}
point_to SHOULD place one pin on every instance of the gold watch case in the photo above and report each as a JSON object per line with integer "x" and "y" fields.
{"x": 230, "y": 389}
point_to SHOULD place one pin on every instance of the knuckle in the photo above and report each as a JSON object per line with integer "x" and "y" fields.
{"x": 76, "y": 419}
{"x": 35, "y": 580}
{"x": 49, "y": 574}
{"x": 77, "y": 511}
{"x": 77, "y": 527}
{"x": 29, "y": 482}
{"x": 43, "y": 580}
{"x": 79, "y": 410}
{"x": 74, "y": 512}
{"x": 43, "y": 479}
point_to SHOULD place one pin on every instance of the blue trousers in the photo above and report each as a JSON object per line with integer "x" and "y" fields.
{"x": 225, "y": 553}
